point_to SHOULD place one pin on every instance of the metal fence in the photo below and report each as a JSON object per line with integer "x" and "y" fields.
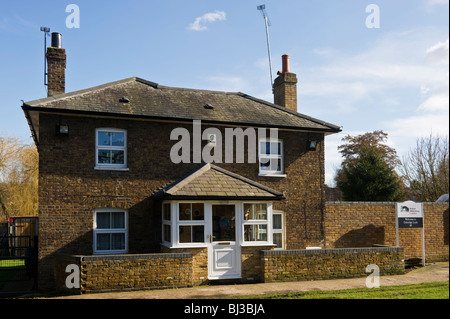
{"x": 18, "y": 264}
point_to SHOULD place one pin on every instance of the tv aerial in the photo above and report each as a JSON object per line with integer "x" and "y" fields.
{"x": 46, "y": 34}
{"x": 267, "y": 23}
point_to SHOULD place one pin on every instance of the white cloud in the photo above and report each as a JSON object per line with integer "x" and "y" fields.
{"x": 433, "y": 5}
{"x": 400, "y": 82}
{"x": 438, "y": 54}
{"x": 437, "y": 2}
{"x": 198, "y": 24}
{"x": 436, "y": 102}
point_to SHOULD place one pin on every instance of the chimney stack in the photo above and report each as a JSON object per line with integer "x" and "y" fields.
{"x": 56, "y": 66}
{"x": 285, "y": 87}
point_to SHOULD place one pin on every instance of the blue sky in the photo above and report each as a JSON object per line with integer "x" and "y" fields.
{"x": 392, "y": 78}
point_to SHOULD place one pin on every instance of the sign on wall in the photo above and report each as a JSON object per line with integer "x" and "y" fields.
{"x": 409, "y": 214}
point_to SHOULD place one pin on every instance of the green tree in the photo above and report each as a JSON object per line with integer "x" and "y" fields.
{"x": 367, "y": 172}
{"x": 370, "y": 179}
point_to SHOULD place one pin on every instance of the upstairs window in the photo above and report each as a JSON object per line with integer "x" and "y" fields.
{"x": 110, "y": 149}
{"x": 270, "y": 157}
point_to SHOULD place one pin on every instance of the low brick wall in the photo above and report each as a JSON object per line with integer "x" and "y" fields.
{"x": 297, "y": 265}
{"x": 168, "y": 270}
{"x": 127, "y": 272}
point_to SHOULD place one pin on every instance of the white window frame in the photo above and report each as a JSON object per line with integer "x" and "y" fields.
{"x": 167, "y": 222}
{"x": 266, "y": 222}
{"x": 279, "y": 231}
{"x": 176, "y": 223}
{"x": 277, "y": 173}
{"x": 107, "y": 166}
{"x": 110, "y": 231}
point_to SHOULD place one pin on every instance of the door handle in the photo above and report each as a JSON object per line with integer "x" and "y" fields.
{"x": 211, "y": 237}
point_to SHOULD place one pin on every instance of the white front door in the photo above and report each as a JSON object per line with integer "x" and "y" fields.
{"x": 224, "y": 253}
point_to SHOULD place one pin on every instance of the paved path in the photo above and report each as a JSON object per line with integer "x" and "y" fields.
{"x": 431, "y": 273}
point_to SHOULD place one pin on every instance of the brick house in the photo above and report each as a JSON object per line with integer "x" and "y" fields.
{"x": 108, "y": 184}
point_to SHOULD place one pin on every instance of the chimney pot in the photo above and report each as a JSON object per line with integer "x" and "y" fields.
{"x": 56, "y": 40}
{"x": 285, "y": 60}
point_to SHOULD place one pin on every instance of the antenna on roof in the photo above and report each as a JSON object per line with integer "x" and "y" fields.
{"x": 46, "y": 34}
{"x": 262, "y": 8}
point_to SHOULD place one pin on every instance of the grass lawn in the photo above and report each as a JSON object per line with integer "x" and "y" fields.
{"x": 9, "y": 268}
{"x": 434, "y": 290}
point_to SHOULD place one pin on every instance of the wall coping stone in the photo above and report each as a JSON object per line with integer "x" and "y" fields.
{"x": 128, "y": 256}
{"x": 329, "y": 251}
{"x": 380, "y": 203}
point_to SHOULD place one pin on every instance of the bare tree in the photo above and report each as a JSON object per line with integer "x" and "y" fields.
{"x": 18, "y": 178}
{"x": 426, "y": 168}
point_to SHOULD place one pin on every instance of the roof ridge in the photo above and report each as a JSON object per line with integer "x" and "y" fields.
{"x": 281, "y": 108}
{"x": 91, "y": 89}
{"x": 200, "y": 171}
{"x": 193, "y": 90}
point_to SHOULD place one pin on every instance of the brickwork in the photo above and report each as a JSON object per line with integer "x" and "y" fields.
{"x": 127, "y": 272}
{"x": 199, "y": 262}
{"x": 252, "y": 264}
{"x": 56, "y": 62}
{"x": 296, "y": 265}
{"x": 285, "y": 91}
{"x": 71, "y": 189}
{"x": 363, "y": 224}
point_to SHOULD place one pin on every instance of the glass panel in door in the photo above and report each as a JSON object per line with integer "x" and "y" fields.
{"x": 224, "y": 222}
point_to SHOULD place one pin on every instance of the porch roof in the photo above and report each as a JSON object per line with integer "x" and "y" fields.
{"x": 212, "y": 182}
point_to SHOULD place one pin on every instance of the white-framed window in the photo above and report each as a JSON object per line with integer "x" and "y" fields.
{"x": 167, "y": 223}
{"x": 183, "y": 224}
{"x": 256, "y": 223}
{"x": 278, "y": 229}
{"x": 270, "y": 155}
{"x": 191, "y": 223}
{"x": 110, "y": 231}
{"x": 110, "y": 148}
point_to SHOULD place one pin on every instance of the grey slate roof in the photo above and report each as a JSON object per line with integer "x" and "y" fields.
{"x": 212, "y": 182}
{"x": 149, "y": 100}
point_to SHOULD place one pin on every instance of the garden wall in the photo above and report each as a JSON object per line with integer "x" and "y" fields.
{"x": 364, "y": 224}
{"x": 318, "y": 264}
{"x": 126, "y": 272}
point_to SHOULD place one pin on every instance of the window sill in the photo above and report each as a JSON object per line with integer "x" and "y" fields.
{"x": 272, "y": 175}
{"x": 104, "y": 168}
{"x": 199, "y": 245}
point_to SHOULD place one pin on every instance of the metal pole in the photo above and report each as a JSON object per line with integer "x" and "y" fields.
{"x": 45, "y": 58}
{"x": 268, "y": 51}
{"x": 423, "y": 237}
{"x": 397, "y": 241}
